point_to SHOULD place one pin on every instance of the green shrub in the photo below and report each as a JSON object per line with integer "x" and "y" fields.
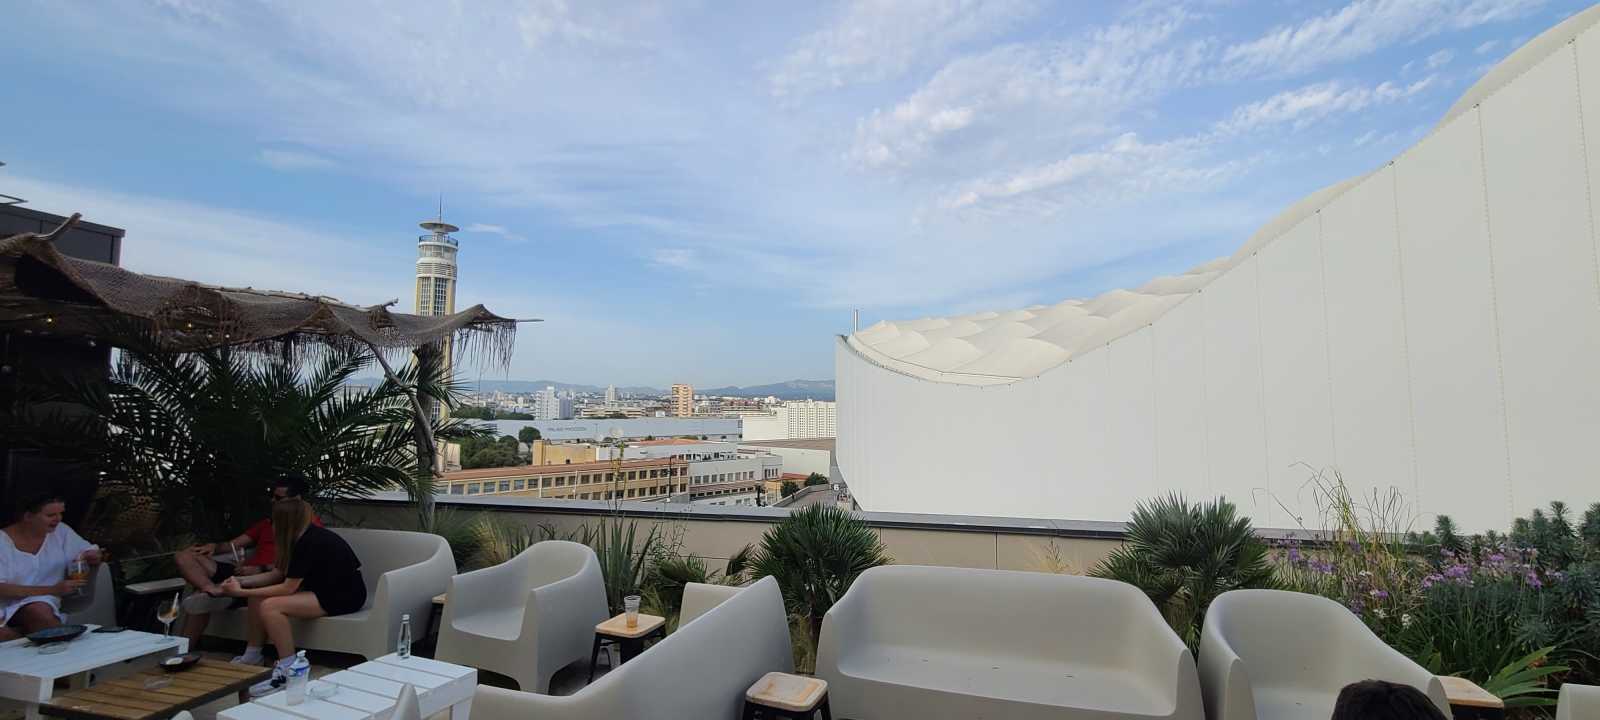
{"x": 1183, "y": 556}
{"x": 815, "y": 554}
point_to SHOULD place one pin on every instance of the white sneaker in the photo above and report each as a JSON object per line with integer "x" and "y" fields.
{"x": 257, "y": 660}
{"x": 270, "y": 685}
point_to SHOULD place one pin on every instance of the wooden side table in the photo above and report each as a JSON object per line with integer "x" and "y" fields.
{"x": 796, "y": 697}
{"x": 629, "y": 639}
{"x": 1470, "y": 702}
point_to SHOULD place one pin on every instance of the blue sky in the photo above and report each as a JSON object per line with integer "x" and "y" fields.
{"x": 701, "y": 191}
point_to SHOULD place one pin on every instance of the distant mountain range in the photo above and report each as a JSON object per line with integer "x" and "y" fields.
{"x": 791, "y": 390}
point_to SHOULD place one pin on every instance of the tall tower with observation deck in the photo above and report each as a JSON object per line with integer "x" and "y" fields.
{"x": 436, "y": 277}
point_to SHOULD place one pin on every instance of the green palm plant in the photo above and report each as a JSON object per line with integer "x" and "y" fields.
{"x": 200, "y": 434}
{"x": 816, "y": 554}
{"x": 1184, "y": 555}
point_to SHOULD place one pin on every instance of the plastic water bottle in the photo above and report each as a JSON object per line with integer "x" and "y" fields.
{"x": 403, "y": 647}
{"x": 299, "y": 675}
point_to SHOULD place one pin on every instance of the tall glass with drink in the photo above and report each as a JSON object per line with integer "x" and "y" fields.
{"x": 78, "y": 571}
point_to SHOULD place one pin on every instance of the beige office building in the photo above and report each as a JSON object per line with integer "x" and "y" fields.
{"x": 682, "y": 400}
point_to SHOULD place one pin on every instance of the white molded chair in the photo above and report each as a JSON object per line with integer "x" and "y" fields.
{"x": 403, "y": 571}
{"x": 700, "y": 597}
{"x": 938, "y": 642}
{"x": 527, "y": 617}
{"x": 97, "y": 605}
{"x": 699, "y": 672}
{"x": 1578, "y": 702}
{"x": 1278, "y": 654}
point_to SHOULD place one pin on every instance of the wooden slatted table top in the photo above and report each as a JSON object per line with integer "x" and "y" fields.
{"x": 617, "y": 627}
{"x": 128, "y": 699}
{"x": 796, "y": 693}
{"x": 1461, "y": 691}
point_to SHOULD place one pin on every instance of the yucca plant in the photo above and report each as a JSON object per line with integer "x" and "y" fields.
{"x": 671, "y": 572}
{"x": 624, "y": 557}
{"x": 816, "y": 554}
{"x": 1183, "y": 556}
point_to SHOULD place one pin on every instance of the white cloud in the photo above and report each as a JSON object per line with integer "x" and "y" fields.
{"x": 1125, "y": 167}
{"x": 1310, "y": 104}
{"x": 1050, "y": 91}
{"x": 1364, "y": 138}
{"x": 875, "y": 40}
{"x": 676, "y": 258}
{"x": 495, "y": 230}
{"x": 1360, "y": 28}
{"x": 1440, "y": 59}
{"x": 1487, "y": 47}
{"x": 292, "y": 160}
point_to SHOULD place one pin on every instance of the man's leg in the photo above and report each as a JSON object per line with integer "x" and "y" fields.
{"x": 197, "y": 570}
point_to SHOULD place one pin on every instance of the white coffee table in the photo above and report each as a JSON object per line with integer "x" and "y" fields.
{"x": 29, "y": 677}
{"x": 368, "y": 692}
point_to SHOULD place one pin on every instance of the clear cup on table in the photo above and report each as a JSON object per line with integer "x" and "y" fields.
{"x": 630, "y": 606}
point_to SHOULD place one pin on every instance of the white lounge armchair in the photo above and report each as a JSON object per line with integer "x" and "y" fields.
{"x": 527, "y": 617}
{"x": 700, "y": 597}
{"x": 1276, "y": 654}
{"x": 403, "y": 571}
{"x": 936, "y": 642}
{"x": 699, "y": 672}
{"x": 1578, "y": 702}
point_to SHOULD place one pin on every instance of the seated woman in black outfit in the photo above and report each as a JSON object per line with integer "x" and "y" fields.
{"x": 321, "y": 577}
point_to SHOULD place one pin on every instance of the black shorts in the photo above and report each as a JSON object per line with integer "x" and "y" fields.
{"x": 224, "y": 571}
{"x": 346, "y": 597}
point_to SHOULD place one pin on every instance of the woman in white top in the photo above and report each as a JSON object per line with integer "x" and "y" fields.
{"x": 34, "y": 552}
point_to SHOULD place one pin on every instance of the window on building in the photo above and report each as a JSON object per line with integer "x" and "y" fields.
{"x": 560, "y": 481}
{"x": 473, "y": 489}
{"x": 505, "y": 486}
{"x": 549, "y": 482}
{"x": 457, "y": 489}
{"x": 521, "y": 483}
{"x": 630, "y": 492}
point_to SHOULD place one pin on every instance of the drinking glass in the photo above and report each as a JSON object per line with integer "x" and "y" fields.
{"x": 167, "y": 613}
{"x": 630, "y": 605}
{"x": 78, "y": 570}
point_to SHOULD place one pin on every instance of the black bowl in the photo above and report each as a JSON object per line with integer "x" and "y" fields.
{"x": 59, "y": 633}
{"x": 180, "y": 662}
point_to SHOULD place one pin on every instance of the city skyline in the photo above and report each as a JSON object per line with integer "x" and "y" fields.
{"x": 720, "y": 186}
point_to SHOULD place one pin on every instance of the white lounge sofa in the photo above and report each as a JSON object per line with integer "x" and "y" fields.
{"x": 403, "y": 572}
{"x": 527, "y": 617}
{"x": 1578, "y": 702}
{"x": 1274, "y": 654}
{"x": 935, "y": 642}
{"x": 699, "y": 672}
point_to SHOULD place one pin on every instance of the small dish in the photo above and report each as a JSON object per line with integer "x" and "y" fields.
{"x": 53, "y": 648}
{"x": 321, "y": 690}
{"x": 180, "y": 662}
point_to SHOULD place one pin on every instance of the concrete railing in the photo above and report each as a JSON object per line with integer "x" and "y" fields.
{"x": 714, "y": 533}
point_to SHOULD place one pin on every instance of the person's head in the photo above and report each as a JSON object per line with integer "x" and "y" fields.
{"x": 41, "y": 512}
{"x": 292, "y": 485}
{"x": 1380, "y": 700}
{"x": 289, "y": 518}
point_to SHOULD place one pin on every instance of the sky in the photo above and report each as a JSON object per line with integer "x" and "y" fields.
{"x": 703, "y": 191}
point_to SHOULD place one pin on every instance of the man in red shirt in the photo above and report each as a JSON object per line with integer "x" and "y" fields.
{"x": 201, "y": 566}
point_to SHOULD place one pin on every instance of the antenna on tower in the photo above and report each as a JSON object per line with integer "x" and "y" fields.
{"x": 441, "y": 207}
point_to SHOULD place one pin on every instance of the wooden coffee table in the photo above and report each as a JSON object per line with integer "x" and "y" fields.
{"x": 129, "y": 699}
